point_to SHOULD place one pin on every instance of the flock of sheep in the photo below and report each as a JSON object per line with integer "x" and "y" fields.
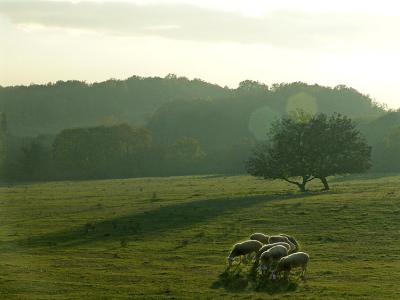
{"x": 274, "y": 255}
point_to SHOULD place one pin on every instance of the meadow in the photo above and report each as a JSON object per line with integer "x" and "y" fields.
{"x": 168, "y": 238}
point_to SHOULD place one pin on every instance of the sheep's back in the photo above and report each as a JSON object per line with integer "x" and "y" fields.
{"x": 260, "y": 237}
{"x": 296, "y": 259}
{"x": 276, "y": 252}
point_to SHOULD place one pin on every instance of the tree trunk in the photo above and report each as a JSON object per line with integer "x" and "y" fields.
{"x": 325, "y": 183}
{"x": 302, "y": 186}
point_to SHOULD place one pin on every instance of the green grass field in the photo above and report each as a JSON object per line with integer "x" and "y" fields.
{"x": 155, "y": 238}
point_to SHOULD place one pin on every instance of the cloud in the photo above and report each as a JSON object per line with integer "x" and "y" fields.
{"x": 287, "y": 28}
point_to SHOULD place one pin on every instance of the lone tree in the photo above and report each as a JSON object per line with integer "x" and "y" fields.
{"x": 310, "y": 147}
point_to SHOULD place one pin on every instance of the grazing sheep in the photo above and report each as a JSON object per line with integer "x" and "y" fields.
{"x": 292, "y": 240}
{"x": 295, "y": 260}
{"x": 279, "y": 238}
{"x": 269, "y": 246}
{"x": 261, "y": 237}
{"x": 243, "y": 248}
{"x": 273, "y": 254}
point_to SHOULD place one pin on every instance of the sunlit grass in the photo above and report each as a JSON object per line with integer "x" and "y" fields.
{"x": 169, "y": 237}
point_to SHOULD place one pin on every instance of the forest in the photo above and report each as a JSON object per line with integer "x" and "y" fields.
{"x": 152, "y": 126}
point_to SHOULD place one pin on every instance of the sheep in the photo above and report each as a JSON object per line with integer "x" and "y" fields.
{"x": 243, "y": 248}
{"x": 279, "y": 238}
{"x": 273, "y": 254}
{"x": 295, "y": 260}
{"x": 293, "y": 240}
{"x": 261, "y": 237}
{"x": 269, "y": 246}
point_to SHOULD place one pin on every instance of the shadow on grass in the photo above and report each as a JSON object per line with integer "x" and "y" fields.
{"x": 145, "y": 225}
{"x": 232, "y": 281}
{"x": 239, "y": 281}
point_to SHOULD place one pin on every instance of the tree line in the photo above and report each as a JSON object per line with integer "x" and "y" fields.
{"x": 115, "y": 151}
{"x": 166, "y": 126}
{"x": 47, "y": 109}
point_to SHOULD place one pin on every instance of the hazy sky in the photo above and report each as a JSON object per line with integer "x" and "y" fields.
{"x": 326, "y": 42}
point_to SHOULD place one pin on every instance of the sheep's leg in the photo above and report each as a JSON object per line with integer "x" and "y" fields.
{"x": 263, "y": 269}
{"x": 299, "y": 275}
{"x": 254, "y": 255}
{"x": 303, "y": 273}
{"x": 240, "y": 261}
{"x": 238, "y": 265}
{"x": 273, "y": 275}
{"x": 286, "y": 275}
{"x": 228, "y": 266}
{"x": 246, "y": 258}
{"x": 256, "y": 265}
{"x": 277, "y": 274}
{"x": 230, "y": 262}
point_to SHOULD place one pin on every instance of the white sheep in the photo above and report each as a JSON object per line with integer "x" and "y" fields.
{"x": 243, "y": 248}
{"x": 295, "y": 260}
{"x": 269, "y": 246}
{"x": 279, "y": 238}
{"x": 292, "y": 240}
{"x": 261, "y": 237}
{"x": 272, "y": 255}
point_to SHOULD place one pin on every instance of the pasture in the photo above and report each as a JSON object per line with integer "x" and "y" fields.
{"x": 156, "y": 238}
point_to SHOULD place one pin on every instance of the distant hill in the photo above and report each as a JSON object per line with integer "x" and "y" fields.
{"x": 249, "y": 110}
{"x": 189, "y": 126}
{"x": 383, "y": 134}
{"x": 376, "y": 129}
{"x": 47, "y": 109}
{"x": 172, "y": 106}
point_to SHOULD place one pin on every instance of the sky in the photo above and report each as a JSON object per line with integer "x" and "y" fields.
{"x": 350, "y": 42}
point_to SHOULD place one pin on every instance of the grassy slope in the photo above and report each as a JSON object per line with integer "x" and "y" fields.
{"x": 63, "y": 240}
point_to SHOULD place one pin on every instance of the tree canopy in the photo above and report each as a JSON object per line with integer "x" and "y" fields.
{"x": 50, "y": 108}
{"x": 69, "y": 129}
{"x": 310, "y": 147}
{"x": 101, "y": 151}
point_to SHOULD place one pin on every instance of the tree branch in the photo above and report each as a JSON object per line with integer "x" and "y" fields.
{"x": 311, "y": 178}
{"x": 290, "y": 181}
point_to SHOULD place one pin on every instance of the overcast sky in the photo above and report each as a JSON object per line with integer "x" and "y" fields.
{"x": 326, "y": 42}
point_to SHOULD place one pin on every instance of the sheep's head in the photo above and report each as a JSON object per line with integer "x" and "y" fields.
{"x": 234, "y": 251}
{"x": 281, "y": 265}
{"x": 230, "y": 260}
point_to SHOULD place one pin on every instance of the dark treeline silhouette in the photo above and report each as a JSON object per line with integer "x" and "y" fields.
{"x": 48, "y": 109}
{"x": 165, "y": 126}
